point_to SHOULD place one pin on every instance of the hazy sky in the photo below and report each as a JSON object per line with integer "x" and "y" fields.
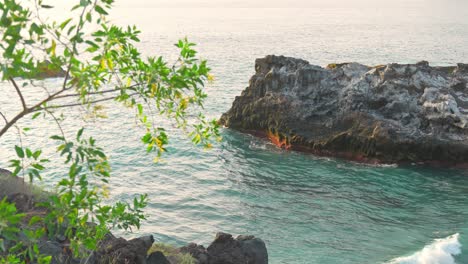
{"x": 278, "y": 3}
{"x": 281, "y": 3}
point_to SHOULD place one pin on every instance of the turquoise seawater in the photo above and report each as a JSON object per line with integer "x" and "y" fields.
{"x": 307, "y": 209}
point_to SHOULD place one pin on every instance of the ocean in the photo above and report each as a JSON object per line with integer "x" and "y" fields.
{"x": 307, "y": 209}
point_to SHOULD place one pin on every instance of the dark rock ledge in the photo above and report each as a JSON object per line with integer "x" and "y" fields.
{"x": 223, "y": 250}
{"x": 395, "y": 113}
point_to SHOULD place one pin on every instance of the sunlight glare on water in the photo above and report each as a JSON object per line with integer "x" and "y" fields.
{"x": 307, "y": 209}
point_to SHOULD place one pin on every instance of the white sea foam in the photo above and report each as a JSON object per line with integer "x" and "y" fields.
{"x": 441, "y": 251}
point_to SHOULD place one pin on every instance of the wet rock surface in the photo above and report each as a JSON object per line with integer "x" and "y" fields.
{"x": 395, "y": 113}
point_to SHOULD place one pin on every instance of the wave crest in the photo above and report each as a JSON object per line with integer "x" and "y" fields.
{"x": 441, "y": 251}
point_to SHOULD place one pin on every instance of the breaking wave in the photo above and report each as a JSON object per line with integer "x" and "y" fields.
{"x": 441, "y": 251}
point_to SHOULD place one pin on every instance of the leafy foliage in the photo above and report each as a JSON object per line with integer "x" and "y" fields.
{"x": 9, "y": 220}
{"x": 99, "y": 62}
{"x": 102, "y": 65}
{"x": 9, "y": 228}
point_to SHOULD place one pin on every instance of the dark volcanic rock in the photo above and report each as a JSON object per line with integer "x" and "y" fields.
{"x": 120, "y": 251}
{"x": 22, "y": 201}
{"x": 198, "y": 252}
{"x": 157, "y": 258}
{"x": 11, "y": 185}
{"x": 391, "y": 114}
{"x": 57, "y": 252}
{"x": 243, "y": 250}
{"x": 227, "y": 250}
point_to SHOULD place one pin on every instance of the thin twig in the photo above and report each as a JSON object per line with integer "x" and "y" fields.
{"x": 67, "y": 75}
{"x": 4, "y": 118}
{"x": 93, "y": 93}
{"x": 78, "y": 104}
{"x": 57, "y": 122}
{"x": 22, "y": 158}
{"x": 19, "y": 93}
{"x": 38, "y": 16}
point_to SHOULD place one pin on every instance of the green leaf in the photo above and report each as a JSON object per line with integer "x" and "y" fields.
{"x": 55, "y": 137}
{"x": 38, "y": 166}
{"x": 36, "y": 115}
{"x": 35, "y": 219}
{"x": 79, "y": 134}
{"x": 36, "y": 29}
{"x": 65, "y": 23}
{"x": 140, "y": 109}
{"x": 37, "y": 153}
{"x": 19, "y": 152}
{"x": 100, "y": 10}
{"x": 28, "y": 153}
{"x": 47, "y": 6}
{"x": 71, "y": 29}
{"x": 17, "y": 170}
{"x": 2, "y": 245}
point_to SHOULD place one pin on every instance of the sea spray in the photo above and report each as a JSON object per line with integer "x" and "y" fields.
{"x": 441, "y": 251}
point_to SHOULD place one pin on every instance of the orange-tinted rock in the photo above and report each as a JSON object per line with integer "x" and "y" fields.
{"x": 395, "y": 113}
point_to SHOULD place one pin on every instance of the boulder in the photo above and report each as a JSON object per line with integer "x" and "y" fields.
{"x": 13, "y": 185}
{"x": 395, "y": 113}
{"x": 57, "y": 252}
{"x": 47, "y": 69}
{"x": 227, "y": 250}
{"x": 22, "y": 201}
{"x": 120, "y": 251}
{"x": 198, "y": 252}
{"x": 157, "y": 258}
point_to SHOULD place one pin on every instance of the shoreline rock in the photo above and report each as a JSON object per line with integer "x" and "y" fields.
{"x": 117, "y": 250}
{"x": 47, "y": 69}
{"x": 395, "y": 113}
{"x": 227, "y": 250}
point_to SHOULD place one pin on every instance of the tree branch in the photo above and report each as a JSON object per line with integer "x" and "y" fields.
{"x": 27, "y": 111}
{"x": 67, "y": 75}
{"x": 19, "y": 93}
{"x": 99, "y": 92}
{"x": 78, "y": 104}
{"x": 37, "y": 107}
{"x": 93, "y": 93}
{"x": 12, "y": 122}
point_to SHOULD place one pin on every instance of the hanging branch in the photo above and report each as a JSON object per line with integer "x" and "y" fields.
{"x": 78, "y": 104}
{"x": 19, "y": 93}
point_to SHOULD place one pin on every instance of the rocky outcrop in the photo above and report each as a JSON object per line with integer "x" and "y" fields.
{"x": 395, "y": 113}
{"x": 47, "y": 69}
{"x": 114, "y": 250}
{"x": 223, "y": 250}
{"x": 227, "y": 250}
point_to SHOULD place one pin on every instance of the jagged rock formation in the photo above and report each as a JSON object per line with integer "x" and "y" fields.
{"x": 393, "y": 113}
